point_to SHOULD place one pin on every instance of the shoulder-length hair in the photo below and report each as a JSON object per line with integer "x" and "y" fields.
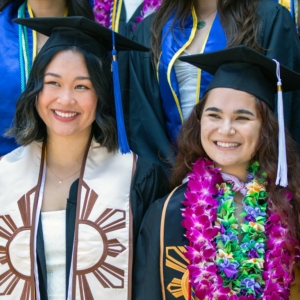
{"x": 266, "y": 153}
{"x": 75, "y": 7}
{"x": 239, "y": 19}
{"x": 29, "y": 127}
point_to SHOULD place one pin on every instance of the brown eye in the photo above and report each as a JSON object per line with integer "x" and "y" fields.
{"x": 52, "y": 83}
{"x": 214, "y": 116}
{"x": 242, "y": 118}
{"x": 81, "y": 87}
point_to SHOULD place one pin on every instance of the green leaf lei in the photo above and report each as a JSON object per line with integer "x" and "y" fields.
{"x": 241, "y": 263}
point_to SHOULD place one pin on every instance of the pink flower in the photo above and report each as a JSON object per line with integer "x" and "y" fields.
{"x": 149, "y": 7}
{"x": 200, "y": 221}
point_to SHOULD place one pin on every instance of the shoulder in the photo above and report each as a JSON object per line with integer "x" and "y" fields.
{"x": 269, "y": 8}
{"x": 21, "y": 152}
{"x": 146, "y": 167}
{"x": 171, "y": 203}
{"x": 142, "y": 32}
{"x": 174, "y": 200}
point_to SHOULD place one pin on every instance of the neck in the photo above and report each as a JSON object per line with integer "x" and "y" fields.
{"x": 48, "y": 8}
{"x": 240, "y": 172}
{"x": 63, "y": 152}
{"x": 204, "y": 7}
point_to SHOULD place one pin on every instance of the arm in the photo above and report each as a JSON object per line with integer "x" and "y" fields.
{"x": 150, "y": 182}
{"x": 146, "y": 276}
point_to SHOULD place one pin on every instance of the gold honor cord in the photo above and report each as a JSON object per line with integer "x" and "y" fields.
{"x": 116, "y": 14}
{"x": 286, "y": 3}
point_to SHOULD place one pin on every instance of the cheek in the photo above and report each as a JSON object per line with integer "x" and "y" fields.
{"x": 253, "y": 135}
{"x": 207, "y": 128}
{"x": 91, "y": 107}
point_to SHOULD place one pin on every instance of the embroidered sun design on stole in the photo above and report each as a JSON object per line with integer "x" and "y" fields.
{"x": 99, "y": 268}
{"x": 15, "y": 255}
{"x": 176, "y": 260}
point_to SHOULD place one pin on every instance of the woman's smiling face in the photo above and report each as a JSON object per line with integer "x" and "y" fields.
{"x": 230, "y": 129}
{"x": 67, "y": 103}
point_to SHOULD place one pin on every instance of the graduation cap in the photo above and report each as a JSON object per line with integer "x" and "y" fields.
{"x": 87, "y": 34}
{"x": 244, "y": 69}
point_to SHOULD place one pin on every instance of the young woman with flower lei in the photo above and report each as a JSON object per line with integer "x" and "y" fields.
{"x": 165, "y": 90}
{"x": 228, "y": 232}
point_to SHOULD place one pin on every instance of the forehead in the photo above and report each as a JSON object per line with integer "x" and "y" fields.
{"x": 230, "y": 99}
{"x": 67, "y": 60}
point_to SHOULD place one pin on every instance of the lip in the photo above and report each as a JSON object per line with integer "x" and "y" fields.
{"x": 228, "y": 145}
{"x": 64, "y": 118}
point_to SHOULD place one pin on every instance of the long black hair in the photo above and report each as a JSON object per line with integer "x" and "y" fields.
{"x": 29, "y": 127}
{"x": 75, "y": 7}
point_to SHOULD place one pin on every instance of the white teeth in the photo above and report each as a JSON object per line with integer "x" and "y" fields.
{"x": 227, "y": 145}
{"x": 65, "y": 115}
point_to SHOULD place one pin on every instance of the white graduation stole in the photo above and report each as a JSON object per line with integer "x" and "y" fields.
{"x": 102, "y": 254}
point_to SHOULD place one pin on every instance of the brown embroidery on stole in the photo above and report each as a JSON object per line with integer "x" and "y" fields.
{"x": 111, "y": 247}
{"x": 13, "y": 274}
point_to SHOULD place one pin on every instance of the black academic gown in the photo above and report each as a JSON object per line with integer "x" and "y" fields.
{"x": 148, "y": 184}
{"x": 147, "y": 127}
{"x": 126, "y": 29}
{"x": 146, "y": 272}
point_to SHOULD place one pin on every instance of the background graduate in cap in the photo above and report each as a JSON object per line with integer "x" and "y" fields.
{"x": 166, "y": 89}
{"x": 73, "y": 196}
{"x": 231, "y": 228}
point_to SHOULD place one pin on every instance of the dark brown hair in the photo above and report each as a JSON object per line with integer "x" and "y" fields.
{"x": 239, "y": 19}
{"x": 190, "y": 149}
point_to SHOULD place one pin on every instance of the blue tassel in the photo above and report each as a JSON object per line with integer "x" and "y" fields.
{"x": 122, "y": 137}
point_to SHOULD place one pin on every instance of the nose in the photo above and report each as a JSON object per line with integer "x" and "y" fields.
{"x": 226, "y": 127}
{"x": 66, "y": 97}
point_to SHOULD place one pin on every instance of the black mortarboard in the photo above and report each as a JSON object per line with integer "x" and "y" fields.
{"x": 79, "y": 31}
{"x": 244, "y": 69}
{"x": 85, "y": 33}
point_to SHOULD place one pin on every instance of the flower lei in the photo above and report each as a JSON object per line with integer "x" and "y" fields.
{"x": 103, "y": 11}
{"x": 149, "y": 7}
{"x": 258, "y": 267}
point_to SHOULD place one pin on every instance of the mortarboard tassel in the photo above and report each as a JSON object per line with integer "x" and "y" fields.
{"x": 282, "y": 178}
{"x": 122, "y": 137}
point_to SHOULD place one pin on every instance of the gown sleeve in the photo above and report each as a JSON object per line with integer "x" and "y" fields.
{"x": 146, "y": 279}
{"x": 280, "y": 41}
{"x": 147, "y": 129}
{"x": 147, "y": 262}
{"x": 149, "y": 183}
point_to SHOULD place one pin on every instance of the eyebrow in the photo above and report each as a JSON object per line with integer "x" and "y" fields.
{"x": 52, "y": 74}
{"x": 244, "y": 111}
{"x": 58, "y": 76}
{"x": 239, "y": 111}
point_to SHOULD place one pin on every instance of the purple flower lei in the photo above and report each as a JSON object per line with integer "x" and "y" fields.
{"x": 103, "y": 11}
{"x": 200, "y": 216}
{"x": 149, "y": 7}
